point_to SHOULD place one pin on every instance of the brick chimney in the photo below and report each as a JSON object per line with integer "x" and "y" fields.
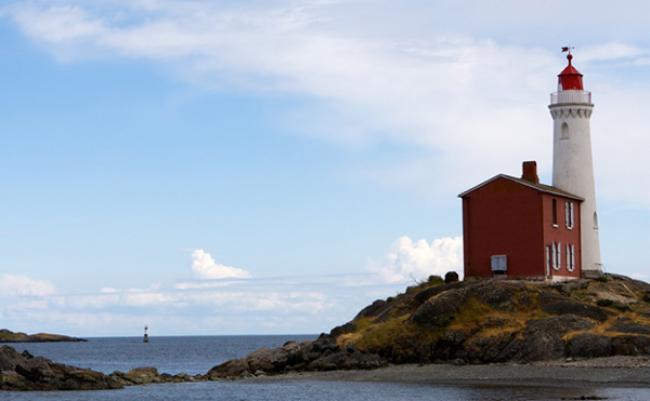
{"x": 530, "y": 172}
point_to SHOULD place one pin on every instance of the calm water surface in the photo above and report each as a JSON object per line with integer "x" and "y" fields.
{"x": 169, "y": 354}
{"x": 326, "y": 391}
{"x": 199, "y": 354}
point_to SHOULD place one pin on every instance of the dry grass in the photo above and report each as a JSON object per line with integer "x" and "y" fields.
{"x": 394, "y": 330}
{"x": 470, "y": 314}
{"x": 389, "y": 333}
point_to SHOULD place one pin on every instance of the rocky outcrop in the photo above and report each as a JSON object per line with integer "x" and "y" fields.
{"x": 150, "y": 375}
{"x": 589, "y": 345}
{"x": 319, "y": 355}
{"x": 22, "y": 371}
{"x": 7, "y": 336}
{"x": 474, "y": 321}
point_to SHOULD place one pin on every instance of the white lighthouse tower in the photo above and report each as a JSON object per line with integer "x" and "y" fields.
{"x": 573, "y": 169}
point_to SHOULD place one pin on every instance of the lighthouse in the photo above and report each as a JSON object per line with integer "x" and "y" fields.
{"x": 573, "y": 170}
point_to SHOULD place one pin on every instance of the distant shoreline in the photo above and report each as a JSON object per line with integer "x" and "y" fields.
{"x": 612, "y": 372}
{"x": 10, "y": 337}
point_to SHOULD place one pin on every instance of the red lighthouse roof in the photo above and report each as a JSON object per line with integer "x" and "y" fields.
{"x": 570, "y": 78}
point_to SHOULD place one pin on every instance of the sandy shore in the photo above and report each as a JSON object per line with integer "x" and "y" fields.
{"x": 615, "y": 371}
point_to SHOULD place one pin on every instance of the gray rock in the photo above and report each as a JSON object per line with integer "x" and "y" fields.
{"x": 631, "y": 345}
{"x": 233, "y": 368}
{"x": 318, "y": 355}
{"x": 558, "y": 305}
{"x": 440, "y": 310}
{"x": 588, "y": 345}
{"x": 144, "y": 375}
{"x": 24, "y": 372}
{"x": 343, "y": 329}
{"x": 451, "y": 277}
{"x": 502, "y": 297}
{"x": 375, "y": 309}
{"x": 626, "y": 325}
{"x": 499, "y": 348}
{"x": 542, "y": 338}
{"x": 427, "y": 293}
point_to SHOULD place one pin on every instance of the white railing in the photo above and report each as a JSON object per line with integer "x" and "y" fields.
{"x": 571, "y": 96}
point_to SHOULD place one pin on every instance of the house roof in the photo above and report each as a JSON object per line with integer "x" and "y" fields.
{"x": 539, "y": 187}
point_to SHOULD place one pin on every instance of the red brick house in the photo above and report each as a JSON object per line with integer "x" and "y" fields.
{"x": 519, "y": 228}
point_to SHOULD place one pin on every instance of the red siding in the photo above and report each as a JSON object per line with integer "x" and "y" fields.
{"x": 562, "y": 234}
{"x": 506, "y": 218}
{"x": 503, "y": 218}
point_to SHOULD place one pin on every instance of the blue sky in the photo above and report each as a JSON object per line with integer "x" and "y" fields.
{"x": 271, "y": 167}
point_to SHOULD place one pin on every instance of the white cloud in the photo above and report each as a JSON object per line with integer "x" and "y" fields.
{"x": 202, "y": 285}
{"x": 64, "y": 23}
{"x": 238, "y": 299}
{"x": 610, "y": 51}
{"x": 204, "y": 266}
{"x": 243, "y": 309}
{"x": 19, "y": 285}
{"x": 409, "y": 261}
{"x": 453, "y": 96}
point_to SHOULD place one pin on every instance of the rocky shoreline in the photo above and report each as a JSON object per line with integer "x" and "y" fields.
{"x": 322, "y": 354}
{"x": 473, "y": 322}
{"x": 25, "y": 372}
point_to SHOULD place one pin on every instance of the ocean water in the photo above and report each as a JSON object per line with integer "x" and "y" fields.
{"x": 192, "y": 355}
{"x": 199, "y": 354}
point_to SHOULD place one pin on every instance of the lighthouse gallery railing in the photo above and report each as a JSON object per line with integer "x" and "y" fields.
{"x": 571, "y": 96}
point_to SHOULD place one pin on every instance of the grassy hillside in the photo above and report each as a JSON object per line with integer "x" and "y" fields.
{"x": 474, "y": 321}
{"x": 500, "y": 320}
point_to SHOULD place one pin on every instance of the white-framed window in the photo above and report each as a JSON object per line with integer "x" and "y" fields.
{"x": 548, "y": 259}
{"x": 499, "y": 263}
{"x": 556, "y": 253}
{"x": 570, "y": 257}
{"x": 569, "y": 215}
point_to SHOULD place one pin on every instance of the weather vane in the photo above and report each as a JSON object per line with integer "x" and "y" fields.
{"x": 567, "y": 49}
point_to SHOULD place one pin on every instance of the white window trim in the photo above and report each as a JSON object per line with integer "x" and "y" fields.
{"x": 569, "y": 215}
{"x": 557, "y": 256}
{"x": 573, "y": 256}
{"x": 570, "y": 257}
